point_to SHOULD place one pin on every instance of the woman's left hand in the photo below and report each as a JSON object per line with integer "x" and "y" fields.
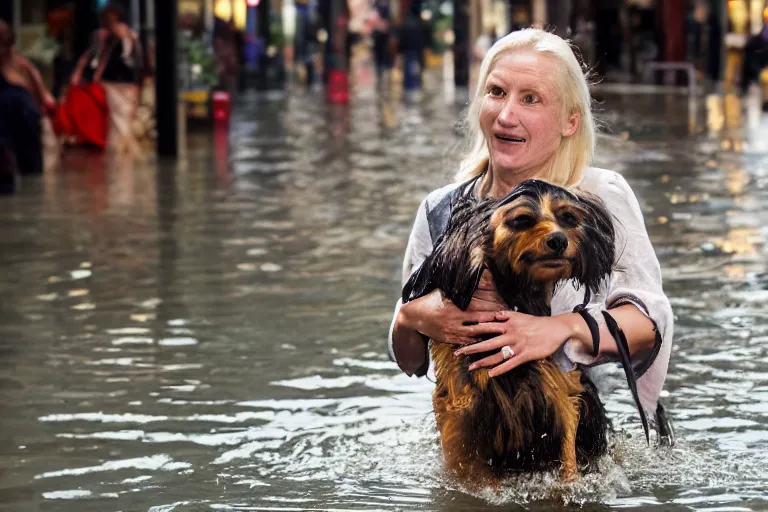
{"x": 530, "y": 338}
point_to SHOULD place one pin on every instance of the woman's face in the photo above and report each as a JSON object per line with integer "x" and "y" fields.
{"x": 521, "y": 115}
{"x": 111, "y": 20}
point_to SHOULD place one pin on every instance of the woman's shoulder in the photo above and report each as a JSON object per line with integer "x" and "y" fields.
{"x": 439, "y": 195}
{"x": 606, "y": 184}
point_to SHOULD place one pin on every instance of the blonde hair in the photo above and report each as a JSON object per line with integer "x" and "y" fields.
{"x": 576, "y": 151}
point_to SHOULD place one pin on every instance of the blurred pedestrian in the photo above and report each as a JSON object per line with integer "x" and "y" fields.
{"x": 381, "y": 38}
{"x": 23, "y": 97}
{"x": 60, "y": 28}
{"x": 311, "y": 46}
{"x": 226, "y": 56}
{"x": 115, "y": 62}
{"x": 483, "y": 43}
{"x": 412, "y": 44}
{"x": 755, "y": 68}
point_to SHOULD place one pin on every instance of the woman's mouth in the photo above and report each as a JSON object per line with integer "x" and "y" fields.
{"x": 507, "y": 138}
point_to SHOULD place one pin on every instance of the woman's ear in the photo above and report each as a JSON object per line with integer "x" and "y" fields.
{"x": 571, "y": 124}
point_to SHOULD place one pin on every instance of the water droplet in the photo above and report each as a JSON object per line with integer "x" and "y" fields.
{"x": 246, "y": 267}
{"x": 138, "y": 317}
{"x": 80, "y": 274}
{"x": 85, "y": 306}
{"x": 151, "y": 303}
{"x": 271, "y": 267}
{"x": 177, "y": 342}
{"x": 78, "y": 293}
{"x": 256, "y": 252}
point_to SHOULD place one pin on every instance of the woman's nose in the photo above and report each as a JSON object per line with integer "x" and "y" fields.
{"x": 508, "y": 114}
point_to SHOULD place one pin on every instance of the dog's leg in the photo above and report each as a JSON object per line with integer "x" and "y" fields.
{"x": 453, "y": 400}
{"x": 569, "y": 470}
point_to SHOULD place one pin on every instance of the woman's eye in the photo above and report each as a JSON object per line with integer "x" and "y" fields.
{"x": 530, "y": 99}
{"x": 522, "y": 222}
{"x": 568, "y": 220}
{"x": 496, "y": 91}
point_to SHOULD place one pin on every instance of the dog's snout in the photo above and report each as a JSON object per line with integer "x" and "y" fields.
{"x": 558, "y": 242}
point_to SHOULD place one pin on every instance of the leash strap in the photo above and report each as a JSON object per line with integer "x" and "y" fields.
{"x": 629, "y": 371}
{"x": 594, "y": 329}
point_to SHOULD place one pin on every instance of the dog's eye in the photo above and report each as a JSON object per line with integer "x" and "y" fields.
{"x": 522, "y": 222}
{"x": 567, "y": 220}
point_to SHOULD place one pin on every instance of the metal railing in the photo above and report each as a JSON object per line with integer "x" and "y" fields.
{"x": 687, "y": 67}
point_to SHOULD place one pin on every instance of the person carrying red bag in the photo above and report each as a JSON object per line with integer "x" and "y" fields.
{"x": 112, "y": 97}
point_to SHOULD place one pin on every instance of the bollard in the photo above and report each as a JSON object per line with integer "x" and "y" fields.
{"x": 222, "y": 108}
{"x": 338, "y": 86}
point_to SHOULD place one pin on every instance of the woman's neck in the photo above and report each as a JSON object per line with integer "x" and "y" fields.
{"x": 499, "y": 184}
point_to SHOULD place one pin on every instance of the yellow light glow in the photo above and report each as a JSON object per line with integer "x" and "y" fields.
{"x": 231, "y": 10}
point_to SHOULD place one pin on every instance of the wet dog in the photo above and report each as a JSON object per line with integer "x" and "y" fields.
{"x": 534, "y": 417}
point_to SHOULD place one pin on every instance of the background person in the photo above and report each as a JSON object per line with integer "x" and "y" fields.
{"x": 23, "y": 97}
{"x": 115, "y": 61}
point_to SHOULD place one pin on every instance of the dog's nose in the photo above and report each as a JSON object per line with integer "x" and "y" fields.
{"x": 558, "y": 242}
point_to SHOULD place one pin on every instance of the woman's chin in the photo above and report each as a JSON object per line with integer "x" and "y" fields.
{"x": 508, "y": 165}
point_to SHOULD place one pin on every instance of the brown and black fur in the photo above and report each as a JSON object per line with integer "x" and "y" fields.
{"x": 535, "y": 417}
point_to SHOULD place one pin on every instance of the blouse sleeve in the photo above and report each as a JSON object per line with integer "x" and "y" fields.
{"x": 637, "y": 280}
{"x": 418, "y": 248}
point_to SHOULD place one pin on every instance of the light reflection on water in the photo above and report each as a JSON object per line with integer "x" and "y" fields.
{"x": 210, "y": 338}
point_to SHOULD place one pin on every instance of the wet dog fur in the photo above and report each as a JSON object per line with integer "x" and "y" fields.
{"x": 534, "y": 417}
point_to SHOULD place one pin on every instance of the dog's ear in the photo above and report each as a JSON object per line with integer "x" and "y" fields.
{"x": 456, "y": 262}
{"x": 598, "y": 242}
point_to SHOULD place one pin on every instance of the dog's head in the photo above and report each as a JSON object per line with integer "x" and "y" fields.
{"x": 544, "y": 233}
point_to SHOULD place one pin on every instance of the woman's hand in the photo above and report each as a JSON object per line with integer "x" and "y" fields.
{"x": 439, "y": 319}
{"x": 49, "y": 102}
{"x": 530, "y": 338}
{"x": 76, "y": 78}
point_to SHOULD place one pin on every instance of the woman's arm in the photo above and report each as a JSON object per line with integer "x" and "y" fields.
{"x": 432, "y": 316}
{"x": 77, "y": 74}
{"x": 46, "y": 98}
{"x": 437, "y": 318}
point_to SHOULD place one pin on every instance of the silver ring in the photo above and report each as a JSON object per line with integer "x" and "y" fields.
{"x": 507, "y": 352}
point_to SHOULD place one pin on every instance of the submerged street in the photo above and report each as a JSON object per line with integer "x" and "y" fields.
{"x": 212, "y": 336}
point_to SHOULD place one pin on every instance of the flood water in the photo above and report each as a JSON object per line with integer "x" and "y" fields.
{"x": 210, "y": 337}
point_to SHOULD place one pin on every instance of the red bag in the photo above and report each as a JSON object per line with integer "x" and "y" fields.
{"x": 83, "y": 115}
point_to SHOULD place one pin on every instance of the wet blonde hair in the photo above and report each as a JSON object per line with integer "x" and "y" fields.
{"x": 576, "y": 151}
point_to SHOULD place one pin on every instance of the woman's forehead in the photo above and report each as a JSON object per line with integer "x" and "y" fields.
{"x": 524, "y": 66}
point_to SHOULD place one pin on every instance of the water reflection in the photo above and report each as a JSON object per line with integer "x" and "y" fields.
{"x": 211, "y": 335}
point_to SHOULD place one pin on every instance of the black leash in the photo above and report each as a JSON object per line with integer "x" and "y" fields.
{"x": 629, "y": 371}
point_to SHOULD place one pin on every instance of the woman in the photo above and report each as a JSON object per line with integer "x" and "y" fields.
{"x": 22, "y": 98}
{"x": 530, "y": 118}
{"x": 116, "y": 63}
{"x": 227, "y": 56}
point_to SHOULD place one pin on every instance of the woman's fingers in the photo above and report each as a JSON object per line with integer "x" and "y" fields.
{"x": 483, "y": 346}
{"x": 474, "y": 331}
{"x": 479, "y": 317}
{"x": 491, "y": 360}
{"x": 507, "y": 365}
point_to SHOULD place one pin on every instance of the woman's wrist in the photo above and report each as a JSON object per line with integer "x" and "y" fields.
{"x": 580, "y": 334}
{"x": 580, "y": 346}
{"x": 408, "y": 345}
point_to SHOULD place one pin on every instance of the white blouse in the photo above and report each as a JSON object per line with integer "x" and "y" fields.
{"x": 637, "y": 279}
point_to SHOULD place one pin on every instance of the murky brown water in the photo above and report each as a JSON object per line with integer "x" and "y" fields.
{"x": 199, "y": 338}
